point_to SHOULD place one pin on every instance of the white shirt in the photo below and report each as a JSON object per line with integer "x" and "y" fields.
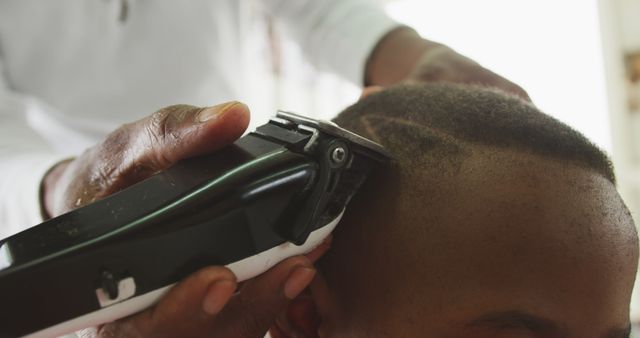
{"x": 71, "y": 71}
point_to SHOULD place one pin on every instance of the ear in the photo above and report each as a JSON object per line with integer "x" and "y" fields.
{"x": 305, "y": 313}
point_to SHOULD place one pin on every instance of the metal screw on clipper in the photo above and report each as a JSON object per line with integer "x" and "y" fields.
{"x": 338, "y": 155}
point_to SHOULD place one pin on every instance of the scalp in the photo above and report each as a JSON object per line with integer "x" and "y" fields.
{"x": 475, "y": 196}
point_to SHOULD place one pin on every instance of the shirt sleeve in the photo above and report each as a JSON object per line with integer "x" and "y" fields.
{"x": 25, "y": 157}
{"x": 335, "y": 35}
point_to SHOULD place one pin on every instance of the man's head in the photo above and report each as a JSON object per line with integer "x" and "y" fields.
{"x": 494, "y": 220}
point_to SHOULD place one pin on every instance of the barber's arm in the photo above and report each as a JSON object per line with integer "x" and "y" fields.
{"x": 358, "y": 40}
{"x": 403, "y": 55}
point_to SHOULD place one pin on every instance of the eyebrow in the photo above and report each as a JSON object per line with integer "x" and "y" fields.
{"x": 516, "y": 320}
{"x": 520, "y": 320}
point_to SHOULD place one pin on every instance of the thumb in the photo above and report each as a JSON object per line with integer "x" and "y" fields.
{"x": 140, "y": 149}
{"x": 182, "y": 131}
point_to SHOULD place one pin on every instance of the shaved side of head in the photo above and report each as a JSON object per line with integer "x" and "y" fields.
{"x": 489, "y": 204}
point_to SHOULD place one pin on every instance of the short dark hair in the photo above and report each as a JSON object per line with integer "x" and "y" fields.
{"x": 425, "y": 125}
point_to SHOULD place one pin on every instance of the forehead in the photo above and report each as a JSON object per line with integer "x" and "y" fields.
{"x": 550, "y": 197}
{"x": 534, "y": 209}
{"x": 508, "y": 232}
{"x": 527, "y": 233}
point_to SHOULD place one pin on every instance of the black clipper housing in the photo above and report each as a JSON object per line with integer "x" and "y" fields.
{"x": 278, "y": 184}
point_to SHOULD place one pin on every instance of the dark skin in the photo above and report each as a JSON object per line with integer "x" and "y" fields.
{"x": 139, "y": 149}
{"x": 515, "y": 245}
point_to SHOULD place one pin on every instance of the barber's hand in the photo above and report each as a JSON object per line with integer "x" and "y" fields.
{"x": 140, "y": 149}
{"x": 441, "y": 63}
{"x": 204, "y": 304}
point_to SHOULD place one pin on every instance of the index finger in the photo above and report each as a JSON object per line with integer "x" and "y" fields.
{"x": 187, "y": 310}
{"x": 320, "y": 250}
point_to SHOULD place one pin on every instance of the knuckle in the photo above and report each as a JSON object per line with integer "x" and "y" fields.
{"x": 158, "y": 133}
{"x": 117, "y": 141}
{"x": 103, "y": 177}
{"x": 163, "y": 130}
{"x": 164, "y": 125}
{"x": 158, "y": 126}
{"x": 108, "y": 157}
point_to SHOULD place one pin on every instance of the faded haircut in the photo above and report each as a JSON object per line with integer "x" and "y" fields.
{"x": 431, "y": 127}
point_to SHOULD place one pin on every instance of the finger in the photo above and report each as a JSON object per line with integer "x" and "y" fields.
{"x": 187, "y": 310}
{"x": 370, "y": 90}
{"x": 141, "y": 149}
{"x": 315, "y": 254}
{"x": 254, "y": 309}
{"x": 515, "y": 90}
{"x": 196, "y": 294}
{"x": 178, "y": 132}
{"x": 518, "y": 91}
{"x": 320, "y": 250}
{"x": 491, "y": 79}
{"x": 507, "y": 86}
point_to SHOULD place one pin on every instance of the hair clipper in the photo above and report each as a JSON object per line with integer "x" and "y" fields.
{"x": 275, "y": 193}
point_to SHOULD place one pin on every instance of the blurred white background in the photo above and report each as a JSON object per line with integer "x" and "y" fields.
{"x": 551, "y": 48}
